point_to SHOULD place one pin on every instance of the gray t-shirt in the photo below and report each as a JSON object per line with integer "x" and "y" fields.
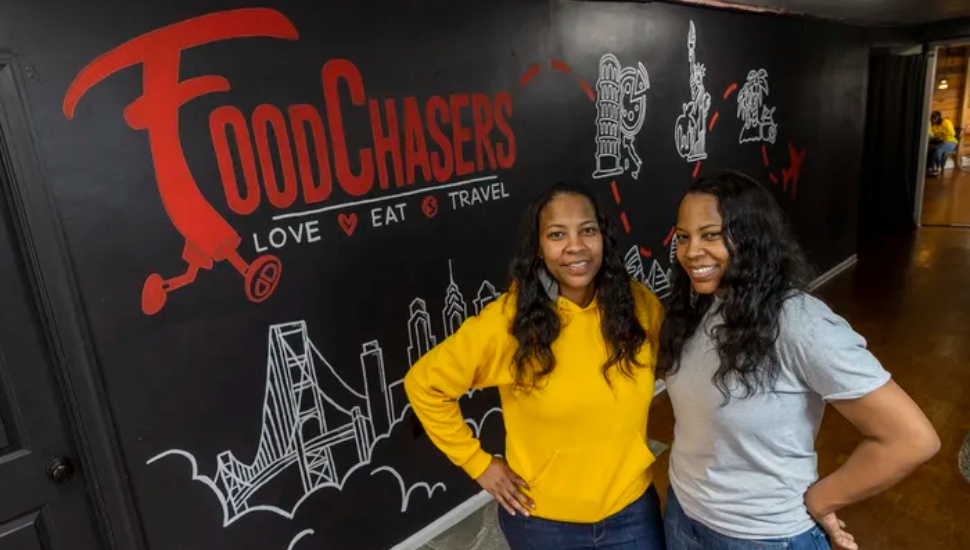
{"x": 742, "y": 470}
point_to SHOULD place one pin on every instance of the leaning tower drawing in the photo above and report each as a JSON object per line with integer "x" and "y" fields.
{"x": 621, "y": 109}
{"x": 608, "y": 106}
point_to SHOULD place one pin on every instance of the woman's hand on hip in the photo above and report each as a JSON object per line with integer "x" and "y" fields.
{"x": 506, "y": 487}
{"x": 839, "y": 538}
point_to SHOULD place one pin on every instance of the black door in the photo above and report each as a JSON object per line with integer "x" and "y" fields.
{"x": 43, "y": 501}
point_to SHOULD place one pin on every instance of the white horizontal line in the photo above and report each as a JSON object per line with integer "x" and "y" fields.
{"x": 381, "y": 199}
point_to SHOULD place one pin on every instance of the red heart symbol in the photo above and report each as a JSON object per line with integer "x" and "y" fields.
{"x": 429, "y": 206}
{"x": 348, "y": 222}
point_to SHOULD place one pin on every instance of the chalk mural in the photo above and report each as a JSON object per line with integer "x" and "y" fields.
{"x": 317, "y": 423}
{"x": 690, "y": 129}
{"x": 318, "y": 427}
{"x": 299, "y": 536}
{"x": 657, "y": 279}
{"x": 432, "y": 152}
{"x": 621, "y": 110}
{"x": 758, "y": 118}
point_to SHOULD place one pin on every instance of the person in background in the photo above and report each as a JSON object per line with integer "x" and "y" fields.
{"x": 571, "y": 347}
{"x": 750, "y": 360}
{"x": 943, "y": 140}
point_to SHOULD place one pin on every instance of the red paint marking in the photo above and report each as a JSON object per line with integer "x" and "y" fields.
{"x": 764, "y": 153}
{"x": 697, "y": 169}
{"x": 730, "y": 89}
{"x": 429, "y": 206}
{"x": 669, "y": 237}
{"x": 586, "y": 88}
{"x": 616, "y": 191}
{"x": 626, "y": 222}
{"x": 347, "y": 222}
{"x": 645, "y": 253}
{"x": 774, "y": 178}
{"x": 208, "y": 236}
{"x": 560, "y": 66}
{"x": 717, "y": 115}
{"x": 792, "y": 173}
{"x": 533, "y": 70}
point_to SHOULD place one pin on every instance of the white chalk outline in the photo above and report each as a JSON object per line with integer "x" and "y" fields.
{"x": 455, "y": 311}
{"x": 690, "y": 128}
{"x": 406, "y": 492}
{"x": 229, "y": 519}
{"x": 294, "y": 364}
{"x": 657, "y": 279}
{"x": 616, "y": 125}
{"x": 753, "y": 112}
{"x": 302, "y": 534}
{"x": 479, "y": 425}
{"x": 382, "y": 199}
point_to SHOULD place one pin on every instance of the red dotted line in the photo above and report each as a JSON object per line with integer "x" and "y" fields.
{"x": 789, "y": 175}
{"x": 616, "y": 197}
{"x": 669, "y": 237}
{"x": 562, "y": 67}
{"x": 530, "y": 74}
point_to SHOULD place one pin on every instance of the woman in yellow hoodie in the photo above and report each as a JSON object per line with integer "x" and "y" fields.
{"x": 943, "y": 140}
{"x": 571, "y": 348}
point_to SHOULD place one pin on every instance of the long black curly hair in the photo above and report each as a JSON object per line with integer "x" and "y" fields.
{"x": 767, "y": 266}
{"x": 536, "y": 325}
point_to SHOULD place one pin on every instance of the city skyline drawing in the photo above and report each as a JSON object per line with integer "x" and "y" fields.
{"x": 319, "y": 426}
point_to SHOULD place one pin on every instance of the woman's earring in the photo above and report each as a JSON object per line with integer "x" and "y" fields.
{"x": 693, "y": 297}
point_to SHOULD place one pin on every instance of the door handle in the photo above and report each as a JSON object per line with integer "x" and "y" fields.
{"x": 60, "y": 469}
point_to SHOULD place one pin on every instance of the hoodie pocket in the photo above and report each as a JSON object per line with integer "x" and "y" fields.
{"x": 585, "y": 483}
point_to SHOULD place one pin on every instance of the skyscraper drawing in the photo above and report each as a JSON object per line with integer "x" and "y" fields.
{"x": 375, "y": 389}
{"x": 455, "y": 311}
{"x": 420, "y": 337}
{"x": 486, "y": 295}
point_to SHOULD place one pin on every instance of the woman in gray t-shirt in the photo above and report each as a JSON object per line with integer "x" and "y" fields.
{"x": 750, "y": 360}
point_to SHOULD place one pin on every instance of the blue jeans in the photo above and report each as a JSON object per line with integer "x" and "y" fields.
{"x": 936, "y": 159}
{"x": 684, "y": 533}
{"x": 639, "y": 526}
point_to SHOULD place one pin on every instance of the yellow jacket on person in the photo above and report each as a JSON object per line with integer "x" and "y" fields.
{"x": 944, "y": 131}
{"x": 578, "y": 443}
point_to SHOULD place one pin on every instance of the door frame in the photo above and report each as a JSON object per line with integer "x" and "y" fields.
{"x": 58, "y": 302}
{"x": 932, "y": 49}
{"x": 924, "y": 140}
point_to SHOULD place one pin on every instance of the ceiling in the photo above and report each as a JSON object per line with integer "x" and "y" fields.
{"x": 862, "y": 12}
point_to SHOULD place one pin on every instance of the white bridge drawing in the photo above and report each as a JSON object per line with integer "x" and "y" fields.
{"x": 317, "y": 425}
{"x": 303, "y": 425}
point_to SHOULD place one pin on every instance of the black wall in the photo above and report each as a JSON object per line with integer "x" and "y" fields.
{"x": 189, "y": 381}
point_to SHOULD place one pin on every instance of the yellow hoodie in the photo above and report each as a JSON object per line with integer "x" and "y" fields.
{"x": 579, "y": 444}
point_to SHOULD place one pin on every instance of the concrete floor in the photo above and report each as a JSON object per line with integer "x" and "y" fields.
{"x": 946, "y": 198}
